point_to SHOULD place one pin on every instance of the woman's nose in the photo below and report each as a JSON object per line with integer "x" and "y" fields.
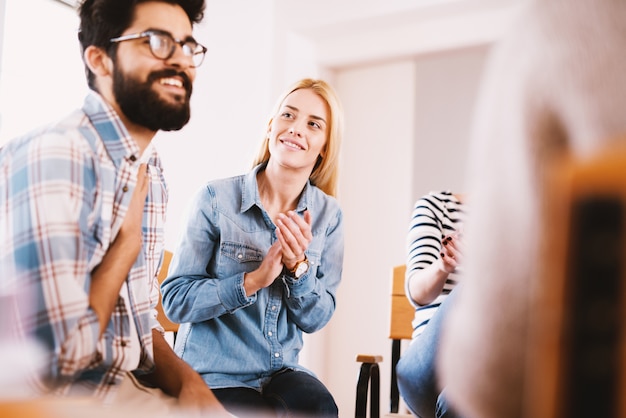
{"x": 293, "y": 130}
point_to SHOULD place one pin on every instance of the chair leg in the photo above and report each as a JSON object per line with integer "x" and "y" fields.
{"x": 369, "y": 375}
{"x": 394, "y": 401}
{"x": 374, "y": 391}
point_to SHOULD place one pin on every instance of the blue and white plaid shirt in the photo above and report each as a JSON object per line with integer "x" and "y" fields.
{"x": 64, "y": 192}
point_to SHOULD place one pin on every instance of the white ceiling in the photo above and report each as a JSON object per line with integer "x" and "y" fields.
{"x": 331, "y": 16}
{"x": 348, "y": 32}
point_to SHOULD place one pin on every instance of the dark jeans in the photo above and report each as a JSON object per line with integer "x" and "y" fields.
{"x": 417, "y": 380}
{"x": 289, "y": 393}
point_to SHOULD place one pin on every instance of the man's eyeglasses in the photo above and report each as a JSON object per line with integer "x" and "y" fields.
{"x": 163, "y": 45}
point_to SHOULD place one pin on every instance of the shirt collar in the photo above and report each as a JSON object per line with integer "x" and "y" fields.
{"x": 117, "y": 141}
{"x": 250, "y": 195}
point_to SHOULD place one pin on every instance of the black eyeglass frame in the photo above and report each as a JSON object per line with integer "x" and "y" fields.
{"x": 184, "y": 44}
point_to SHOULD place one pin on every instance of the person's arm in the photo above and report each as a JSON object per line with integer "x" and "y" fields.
{"x": 189, "y": 293}
{"x": 57, "y": 217}
{"x": 429, "y": 261}
{"x": 426, "y": 284}
{"x": 108, "y": 277}
{"x": 176, "y": 378}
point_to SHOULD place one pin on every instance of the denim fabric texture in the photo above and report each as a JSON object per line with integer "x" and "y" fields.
{"x": 417, "y": 377}
{"x": 233, "y": 340}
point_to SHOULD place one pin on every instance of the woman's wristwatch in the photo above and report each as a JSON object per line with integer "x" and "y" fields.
{"x": 299, "y": 269}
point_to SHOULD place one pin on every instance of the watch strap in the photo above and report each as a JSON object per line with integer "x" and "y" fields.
{"x": 292, "y": 272}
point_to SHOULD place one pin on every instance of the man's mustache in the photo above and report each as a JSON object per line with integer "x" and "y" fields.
{"x": 187, "y": 84}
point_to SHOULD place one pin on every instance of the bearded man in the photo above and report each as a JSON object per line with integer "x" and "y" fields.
{"x": 82, "y": 211}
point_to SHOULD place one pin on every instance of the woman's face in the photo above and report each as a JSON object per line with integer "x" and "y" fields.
{"x": 298, "y": 131}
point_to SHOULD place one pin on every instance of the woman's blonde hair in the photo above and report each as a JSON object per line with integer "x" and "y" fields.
{"x": 325, "y": 174}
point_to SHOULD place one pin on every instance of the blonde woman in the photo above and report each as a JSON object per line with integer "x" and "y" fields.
{"x": 259, "y": 263}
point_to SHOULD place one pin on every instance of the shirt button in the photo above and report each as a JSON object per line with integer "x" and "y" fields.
{"x": 133, "y": 158}
{"x": 276, "y": 354}
{"x": 125, "y": 189}
{"x": 274, "y": 307}
{"x": 123, "y": 343}
{"x": 240, "y": 256}
{"x": 270, "y": 334}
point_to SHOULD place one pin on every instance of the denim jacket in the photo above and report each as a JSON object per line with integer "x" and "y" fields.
{"x": 233, "y": 340}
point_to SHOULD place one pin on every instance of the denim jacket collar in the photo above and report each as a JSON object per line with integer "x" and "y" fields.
{"x": 250, "y": 195}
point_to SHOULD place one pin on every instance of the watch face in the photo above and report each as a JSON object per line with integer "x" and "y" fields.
{"x": 302, "y": 268}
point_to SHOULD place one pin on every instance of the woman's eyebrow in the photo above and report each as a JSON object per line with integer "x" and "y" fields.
{"x": 318, "y": 118}
{"x": 311, "y": 116}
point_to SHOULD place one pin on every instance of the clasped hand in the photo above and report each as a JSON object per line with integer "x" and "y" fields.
{"x": 294, "y": 236}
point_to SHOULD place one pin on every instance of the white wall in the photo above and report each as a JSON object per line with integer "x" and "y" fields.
{"x": 376, "y": 200}
{"x": 407, "y": 131}
{"x": 41, "y": 70}
{"x": 407, "y": 74}
{"x": 2, "y": 7}
{"x": 231, "y": 102}
{"x": 446, "y": 88}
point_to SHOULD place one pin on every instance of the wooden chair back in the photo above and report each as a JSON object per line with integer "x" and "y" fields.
{"x": 402, "y": 312}
{"x": 163, "y": 319}
{"x": 577, "y": 339}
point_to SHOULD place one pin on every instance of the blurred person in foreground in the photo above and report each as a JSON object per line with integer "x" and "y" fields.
{"x": 259, "y": 262}
{"x": 555, "y": 85}
{"x": 82, "y": 211}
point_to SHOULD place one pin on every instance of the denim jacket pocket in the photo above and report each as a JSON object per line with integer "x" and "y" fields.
{"x": 237, "y": 258}
{"x": 241, "y": 253}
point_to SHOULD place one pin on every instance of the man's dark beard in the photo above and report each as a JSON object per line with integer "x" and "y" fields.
{"x": 143, "y": 106}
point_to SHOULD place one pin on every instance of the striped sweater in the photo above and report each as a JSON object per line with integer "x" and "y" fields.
{"x": 435, "y": 216}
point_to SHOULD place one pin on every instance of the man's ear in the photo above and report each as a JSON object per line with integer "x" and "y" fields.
{"x": 98, "y": 61}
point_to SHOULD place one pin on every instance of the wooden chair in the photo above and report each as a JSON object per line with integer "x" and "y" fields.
{"x": 170, "y": 327}
{"x": 577, "y": 340}
{"x": 400, "y": 328}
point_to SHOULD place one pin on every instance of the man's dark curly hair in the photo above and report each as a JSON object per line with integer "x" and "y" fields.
{"x": 101, "y": 20}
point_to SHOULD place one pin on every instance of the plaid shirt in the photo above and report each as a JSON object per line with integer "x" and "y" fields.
{"x": 64, "y": 191}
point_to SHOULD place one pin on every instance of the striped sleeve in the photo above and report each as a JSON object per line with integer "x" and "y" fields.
{"x": 434, "y": 216}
